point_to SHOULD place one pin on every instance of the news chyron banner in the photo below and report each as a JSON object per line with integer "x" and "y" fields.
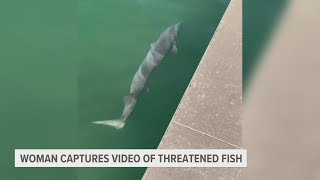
{"x": 130, "y": 158}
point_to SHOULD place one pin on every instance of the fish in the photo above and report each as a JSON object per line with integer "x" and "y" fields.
{"x": 158, "y": 50}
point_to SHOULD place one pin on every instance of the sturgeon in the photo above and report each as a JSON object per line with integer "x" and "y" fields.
{"x": 159, "y": 49}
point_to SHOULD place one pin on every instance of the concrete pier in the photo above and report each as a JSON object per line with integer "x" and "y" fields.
{"x": 209, "y": 114}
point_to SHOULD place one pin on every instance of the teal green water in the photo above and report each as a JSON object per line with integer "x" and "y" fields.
{"x": 38, "y": 84}
{"x": 115, "y": 37}
{"x": 64, "y": 64}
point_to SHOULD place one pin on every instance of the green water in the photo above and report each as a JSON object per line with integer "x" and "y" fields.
{"x": 65, "y": 64}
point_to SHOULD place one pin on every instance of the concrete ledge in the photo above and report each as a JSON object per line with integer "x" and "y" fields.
{"x": 209, "y": 114}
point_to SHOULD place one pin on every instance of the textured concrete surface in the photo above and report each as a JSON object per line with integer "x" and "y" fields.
{"x": 180, "y": 137}
{"x": 209, "y": 114}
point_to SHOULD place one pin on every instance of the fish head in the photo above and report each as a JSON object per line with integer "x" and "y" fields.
{"x": 177, "y": 28}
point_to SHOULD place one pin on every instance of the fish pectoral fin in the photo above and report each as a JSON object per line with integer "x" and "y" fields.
{"x": 174, "y": 49}
{"x": 128, "y": 98}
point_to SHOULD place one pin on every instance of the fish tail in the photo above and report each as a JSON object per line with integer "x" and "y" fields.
{"x": 116, "y": 123}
